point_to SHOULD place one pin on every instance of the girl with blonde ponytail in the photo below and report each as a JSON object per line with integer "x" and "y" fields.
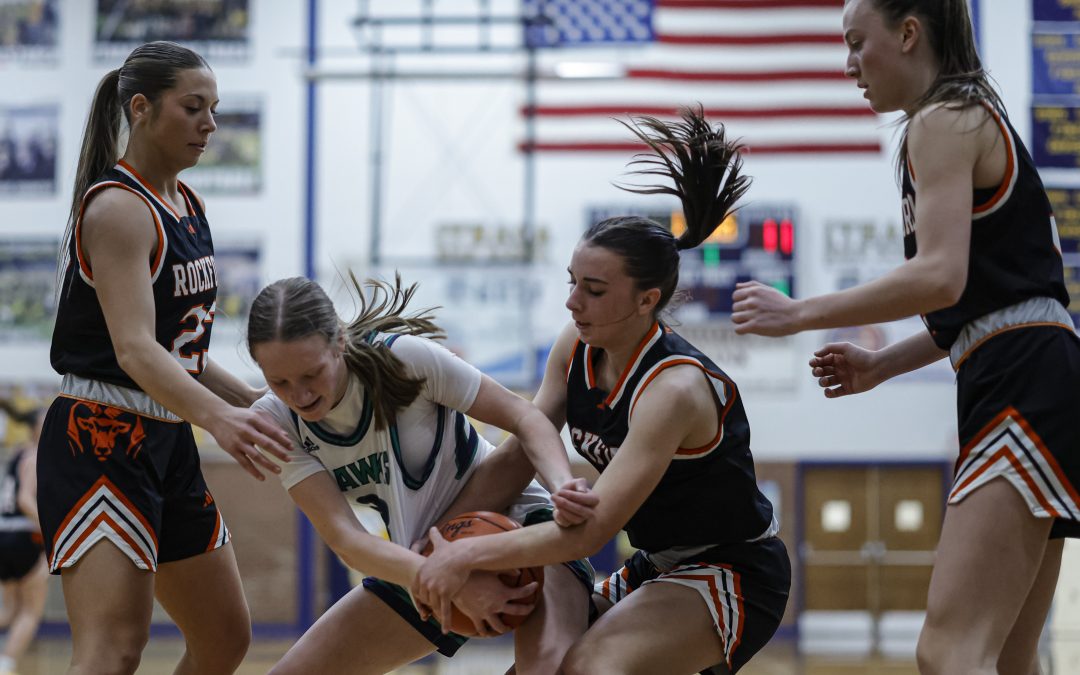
{"x": 378, "y": 415}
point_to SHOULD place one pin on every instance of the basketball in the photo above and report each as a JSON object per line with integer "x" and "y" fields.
{"x": 476, "y": 524}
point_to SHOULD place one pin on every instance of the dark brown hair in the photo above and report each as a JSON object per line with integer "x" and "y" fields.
{"x": 704, "y": 168}
{"x": 150, "y": 70}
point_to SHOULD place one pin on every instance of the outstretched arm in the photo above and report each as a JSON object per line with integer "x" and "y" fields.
{"x": 117, "y": 237}
{"x": 943, "y": 146}
{"x": 843, "y": 368}
{"x": 673, "y": 405}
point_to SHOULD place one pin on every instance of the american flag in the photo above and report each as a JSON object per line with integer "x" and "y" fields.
{"x": 770, "y": 70}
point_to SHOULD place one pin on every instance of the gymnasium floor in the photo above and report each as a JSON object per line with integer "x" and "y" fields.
{"x": 50, "y": 657}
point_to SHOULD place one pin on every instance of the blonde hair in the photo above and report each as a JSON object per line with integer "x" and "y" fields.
{"x": 294, "y": 308}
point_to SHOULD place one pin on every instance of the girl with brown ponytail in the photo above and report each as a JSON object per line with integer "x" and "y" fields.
{"x": 667, "y": 430}
{"x": 125, "y": 512}
{"x": 984, "y": 270}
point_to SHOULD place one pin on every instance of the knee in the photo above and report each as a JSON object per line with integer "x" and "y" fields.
{"x": 236, "y": 646}
{"x": 225, "y": 651}
{"x": 579, "y": 661}
{"x": 938, "y": 654}
{"x": 926, "y": 655}
{"x": 119, "y": 655}
{"x": 121, "y": 663}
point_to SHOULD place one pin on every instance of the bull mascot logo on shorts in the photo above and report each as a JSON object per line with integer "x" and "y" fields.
{"x": 103, "y": 425}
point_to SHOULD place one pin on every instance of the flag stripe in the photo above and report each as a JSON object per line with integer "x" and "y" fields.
{"x": 735, "y": 76}
{"x": 771, "y": 71}
{"x": 770, "y": 39}
{"x": 720, "y": 113}
{"x": 749, "y": 4}
{"x": 750, "y": 149}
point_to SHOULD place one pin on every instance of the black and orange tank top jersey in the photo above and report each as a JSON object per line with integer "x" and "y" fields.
{"x": 707, "y": 495}
{"x": 182, "y": 273}
{"x": 1014, "y": 252}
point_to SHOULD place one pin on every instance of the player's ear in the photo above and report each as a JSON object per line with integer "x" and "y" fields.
{"x": 140, "y": 108}
{"x": 647, "y": 301}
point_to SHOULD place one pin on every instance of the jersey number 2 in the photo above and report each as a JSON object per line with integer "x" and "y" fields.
{"x": 193, "y": 326}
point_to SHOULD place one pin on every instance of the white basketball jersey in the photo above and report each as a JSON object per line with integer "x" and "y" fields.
{"x": 402, "y": 478}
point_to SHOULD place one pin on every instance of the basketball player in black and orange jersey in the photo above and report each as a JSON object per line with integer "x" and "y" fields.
{"x": 984, "y": 270}
{"x": 667, "y": 430}
{"x": 125, "y": 513}
{"x": 23, "y": 572}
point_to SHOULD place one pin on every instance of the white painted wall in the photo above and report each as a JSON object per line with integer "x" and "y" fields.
{"x": 451, "y": 157}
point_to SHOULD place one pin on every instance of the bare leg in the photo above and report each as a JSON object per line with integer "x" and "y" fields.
{"x": 557, "y": 622}
{"x": 626, "y": 638}
{"x": 109, "y": 602}
{"x": 990, "y": 553}
{"x": 360, "y": 634}
{"x": 1021, "y": 652}
{"x": 30, "y": 606}
{"x": 205, "y": 598}
{"x": 10, "y": 599}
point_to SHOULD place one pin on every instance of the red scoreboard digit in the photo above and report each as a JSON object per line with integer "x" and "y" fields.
{"x": 756, "y": 243}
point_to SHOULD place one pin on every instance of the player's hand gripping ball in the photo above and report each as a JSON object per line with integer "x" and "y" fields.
{"x": 479, "y": 523}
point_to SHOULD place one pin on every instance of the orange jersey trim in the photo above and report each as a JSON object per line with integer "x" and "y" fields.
{"x": 570, "y": 361}
{"x": 632, "y": 365}
{"x": 214, "y": 535}
{"x": 1005, "y": 330}
{"x": 722, "y": 413}
{"x": 1012, "y": 413}
{"x": 159, "y": 252}
{"x": 111, "y": 488}
{"x": 149, "y": 188}
{"x": 93, "y": 528}
{"x": 714, "y": 592}
{"x": 1008, "y": 180}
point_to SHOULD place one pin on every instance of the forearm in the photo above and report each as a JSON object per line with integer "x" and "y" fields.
{"x": 165, "y": 380}
{"x": 545, "y": 450}
{"x": 376, "y": 557}
{"x": 496, "y": 483}
{"x": 542, "y": 544}
{"x": 916, "y": 287}
{"x": 907, "y": 355}
{"x": 228, "y": 386}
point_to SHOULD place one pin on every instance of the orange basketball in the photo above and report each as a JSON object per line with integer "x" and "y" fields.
{"x": 479, "y": 523}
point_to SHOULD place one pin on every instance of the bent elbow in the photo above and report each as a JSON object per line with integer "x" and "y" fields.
{"x": 128, "y": 357}
{"x": 127, "y": 361}
{"x": 944, "y": 284}
{"x": 950, "y": 289}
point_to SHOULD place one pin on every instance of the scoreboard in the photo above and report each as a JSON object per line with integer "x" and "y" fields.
{"x": 756, "y": 243}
